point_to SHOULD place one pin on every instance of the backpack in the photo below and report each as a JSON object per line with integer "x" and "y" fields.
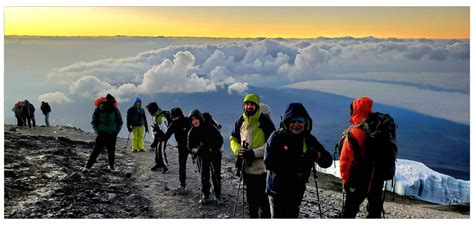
{"x": 208, "y": 118}
{"x": 381, "y": 143}
{"x": 167, "y": 116}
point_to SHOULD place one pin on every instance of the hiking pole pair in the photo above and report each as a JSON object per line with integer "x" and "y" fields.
{"x": 238, "y": 191}
{"x": 317, "y": 190}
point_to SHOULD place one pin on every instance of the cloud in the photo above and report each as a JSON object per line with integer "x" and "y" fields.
{"x": 237, "y": 88}
{"x": 55, "y": 97}
{"x": 439, "y": 65}
{"x": 454, "y": 107}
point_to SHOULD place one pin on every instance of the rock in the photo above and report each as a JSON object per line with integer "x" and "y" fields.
{"x": 128, "y": 175}
{"x": 12, "y": 129}
{"x": 74, "y": 177}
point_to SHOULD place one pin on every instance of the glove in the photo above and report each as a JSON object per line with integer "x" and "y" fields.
{"x": 154, "y": 144}
{"x": 146, "y": 130}
{"x": 153, "y": 127}
{"x": 129, "y": 129}
{"x": 248, "y": 154}
{"x": 194, "y": 151}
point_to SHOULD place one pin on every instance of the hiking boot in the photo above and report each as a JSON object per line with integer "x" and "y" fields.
{"x": 181, "y": 190}
{"x": 165, "y": 170}
{"x": 204, "y": 200}
{"x": 155, "y": 168}
{"x": 141, "y": 150}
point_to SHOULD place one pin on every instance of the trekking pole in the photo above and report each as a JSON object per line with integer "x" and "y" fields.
{"x": 317, "y": 190}
{"x": 128, "y": 138}
{"x": 238, "y": 191}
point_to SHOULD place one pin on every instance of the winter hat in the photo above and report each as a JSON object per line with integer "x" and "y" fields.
{"x": 109, "y": 97}
{"x": 138, "y": 99}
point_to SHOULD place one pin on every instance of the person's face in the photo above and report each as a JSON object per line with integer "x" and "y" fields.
{"x": 138, "y": 104}
{"x": 195, "y": 121}
{"x": 296, "y": 127}
{"x": 250, "y": 107}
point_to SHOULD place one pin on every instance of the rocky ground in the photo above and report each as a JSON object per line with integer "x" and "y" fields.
{"x": 43, "y": 180}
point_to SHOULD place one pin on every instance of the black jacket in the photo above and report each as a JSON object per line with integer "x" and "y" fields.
{"x": 179, "y": 127}
{"x": 28, "y": 109}
{"x": 136, "y": 117}
{"x": 287, "y": 161}
{"x": 45, "y": 108}
{"x": 205, "y": 137}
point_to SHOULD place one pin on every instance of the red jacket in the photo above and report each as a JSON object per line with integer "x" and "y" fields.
{"x": 361, "y": 109}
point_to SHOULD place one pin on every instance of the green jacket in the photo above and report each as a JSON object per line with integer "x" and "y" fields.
{"x": 106, "y": 121}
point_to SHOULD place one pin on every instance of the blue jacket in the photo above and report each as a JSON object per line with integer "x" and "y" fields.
{"x": 289, "y": 157}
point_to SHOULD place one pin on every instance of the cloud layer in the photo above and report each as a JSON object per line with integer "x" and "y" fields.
{"x": 436, "y": 65}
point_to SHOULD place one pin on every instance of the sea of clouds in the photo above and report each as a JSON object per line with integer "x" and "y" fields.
{"x": 344, "y": 66}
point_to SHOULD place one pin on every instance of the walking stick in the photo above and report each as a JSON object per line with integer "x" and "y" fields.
{"x": 238, "y": 191}
{"x": 128, "y": 138}
{"x": 317, "y": 190}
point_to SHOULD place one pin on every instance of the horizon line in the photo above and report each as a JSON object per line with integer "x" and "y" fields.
{"x": 214, "y": 37}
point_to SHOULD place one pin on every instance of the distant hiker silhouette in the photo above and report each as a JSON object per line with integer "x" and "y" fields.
{"x": 28, "y": 112}
{"x": 107, "y": 123}
{"x": 46, "y": 109}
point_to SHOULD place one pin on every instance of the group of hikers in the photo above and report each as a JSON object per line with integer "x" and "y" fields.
{"x": 273, "y": 163}
{"x": 25, "y": 113}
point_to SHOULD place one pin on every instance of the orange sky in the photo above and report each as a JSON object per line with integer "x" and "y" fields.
{"x": 287, "y": 22}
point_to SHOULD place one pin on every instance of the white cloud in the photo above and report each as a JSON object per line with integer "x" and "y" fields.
{"x": 441, "y": 104}
{"x": 237, "y": 88}
{"x": 439, "y": 65}
{"x": 55, "y": 97}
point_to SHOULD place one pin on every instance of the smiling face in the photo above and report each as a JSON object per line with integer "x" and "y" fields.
{"x": 296, "y": 127}
{"x": 250, "y": 108}
{"x": 195, "y": 121}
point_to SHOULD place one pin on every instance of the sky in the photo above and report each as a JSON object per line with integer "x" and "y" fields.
{"x": 286, "y": 22}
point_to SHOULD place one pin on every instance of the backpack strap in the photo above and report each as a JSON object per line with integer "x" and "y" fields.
{"x": 355, "y": 146}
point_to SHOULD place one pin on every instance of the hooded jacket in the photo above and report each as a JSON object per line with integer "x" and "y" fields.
{"x": 361, "y": 108}
{"x": 289, "y": 158}
{"x": 136, "y": 117}
{"x": 179, "y": 127}
{"x": 255, "y": 130}
{"x": 205, "y": 137}
{"x": 45, "y": 108}
{"x": 107, "y": 119}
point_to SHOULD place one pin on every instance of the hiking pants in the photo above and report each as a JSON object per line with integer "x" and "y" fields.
{"x": 183, "y": 157}
{"x": 30, "y": 119}
{"x": 373, "y": 191}
{"x": 19, "y": 120}
{"x": 256, "y": 196}
{"x": 46, "y": 119}
{"x": 101, "y": 141}
{"x": 287, "y": 204}
{"x": 138, "y": 142}
{"x": 211, "y": 165}
{"x": 160, "y": 155}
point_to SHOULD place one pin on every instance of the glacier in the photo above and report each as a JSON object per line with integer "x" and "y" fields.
{"x": 415, "y": 179}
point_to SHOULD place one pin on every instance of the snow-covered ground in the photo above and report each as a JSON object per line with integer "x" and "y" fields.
{"x": 415, "y": 179}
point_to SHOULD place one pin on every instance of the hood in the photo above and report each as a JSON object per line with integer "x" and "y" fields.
{"x": 296, "y": 110}
{"x": 252, "y": 98}
{"x": 153, "y": 108}
{"x": 175, "y": 112}
{"x": 361, "y": 108}
{"x": 197, "y": 114}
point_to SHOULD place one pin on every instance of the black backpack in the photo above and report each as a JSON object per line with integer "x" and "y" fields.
{"x": 380, "y": 145}
{"x": 167, "y": 116}
{"x": 208, "y": 118}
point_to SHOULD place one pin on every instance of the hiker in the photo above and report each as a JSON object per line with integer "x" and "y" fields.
{"x": 46, "y": 109}
{"x": 138, "y": 125}
{"x": 253, "y": 128}
{"x": 205, "y": 141}
{"x": 360, "y": 179}
{"x": 17, "y": 109}
{"x": 107, "y": 123}
{"x": 159, "y": 129}
{"x": 180, "y": 127}
{"x": 28, "y": 111}
{"x": 290, "y": 155}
